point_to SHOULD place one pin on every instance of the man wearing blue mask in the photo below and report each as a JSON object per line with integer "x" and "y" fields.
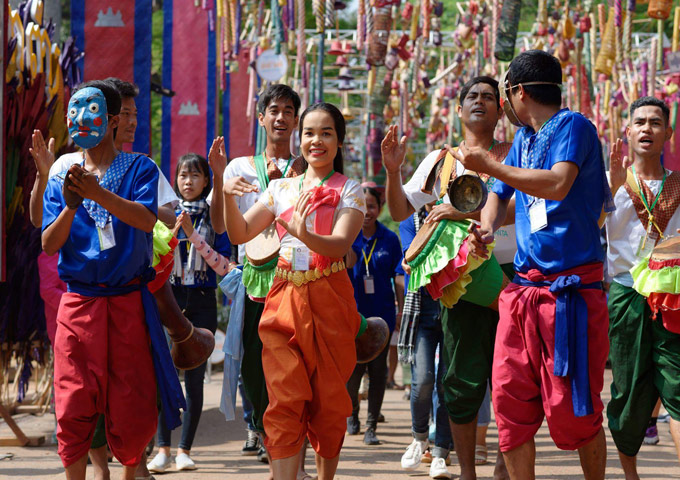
{"x": 99, "y": 215}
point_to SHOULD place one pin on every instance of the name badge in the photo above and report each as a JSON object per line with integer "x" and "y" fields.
{"x": 645, "y": 247}
{"x": 369, "y": 285}
{"x": 300, "y": 258}
{"x": 188, "y": 277}
{"x": 106, "y": 237}
{"x": 538, "y": 216}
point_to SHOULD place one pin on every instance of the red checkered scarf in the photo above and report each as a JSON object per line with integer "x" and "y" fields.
{"x": 298, "y": 167}
{"x": 664, "y": 208}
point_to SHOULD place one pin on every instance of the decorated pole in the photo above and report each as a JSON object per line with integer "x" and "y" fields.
{"x": 607, "y": 55}
{"x": 651, "y": 89}
{"x": 676, "y": 31}
{"x": 628, "y": 28}
{"x": 507, "y": 30}
{"x": 659, "y": 50}
{"x": 301, "y": 53}
{"x": 578, "y": 75}
{"x": 495, "y": 16}
{"x": 319, "y": 17}
{"x": 593, "y": 49}
{"x": 414, "y": 24}
{"x": 617, "y": 31}
{"x": 361, "y": 27}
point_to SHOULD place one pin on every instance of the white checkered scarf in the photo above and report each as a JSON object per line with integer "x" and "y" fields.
{"x": 411, "y": 312}
{"x": 195, "y": 263}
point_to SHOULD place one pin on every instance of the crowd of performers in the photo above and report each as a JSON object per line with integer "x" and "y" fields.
{"x": 542, "y": 344}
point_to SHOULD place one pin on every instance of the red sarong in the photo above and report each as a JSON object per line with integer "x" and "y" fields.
{"x": 308, "y": 356}
{"x": 524, "y": 386}
{"x": 102, "y": 364}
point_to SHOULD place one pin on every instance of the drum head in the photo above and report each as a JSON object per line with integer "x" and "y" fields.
{"x": 263, "y": 248}
{"x": 667, "y": 250}
{"x": 468, "y": 193}
{"x": 422, "y": 237}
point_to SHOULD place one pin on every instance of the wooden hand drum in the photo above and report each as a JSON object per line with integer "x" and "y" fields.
{"x": 373, "y": 340}
{"x": 420, "y": 241}
{"x": 263, "y": 248}
{"x": 668, "y": 250}
{"x": 663, "y": 281}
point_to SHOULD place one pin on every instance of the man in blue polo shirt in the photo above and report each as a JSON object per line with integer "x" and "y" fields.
{"x": 551, "y": 343}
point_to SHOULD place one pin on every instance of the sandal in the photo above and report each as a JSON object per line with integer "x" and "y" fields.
{"x": 481, "y": 454}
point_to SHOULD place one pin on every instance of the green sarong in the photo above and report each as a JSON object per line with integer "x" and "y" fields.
{"x": 251, "y": 364}
{"x": 645, "y": 359}
{"x": 469, "y": 333}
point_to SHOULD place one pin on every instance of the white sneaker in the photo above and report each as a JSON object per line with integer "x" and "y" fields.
{"x": 160, "y": 463}
{"x": 438, "y": 468}
{"x": 184, "y": 462}
{"x": 414, "y": 454}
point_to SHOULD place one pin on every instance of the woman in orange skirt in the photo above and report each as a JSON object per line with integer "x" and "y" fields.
{"x": 310, "y": 317}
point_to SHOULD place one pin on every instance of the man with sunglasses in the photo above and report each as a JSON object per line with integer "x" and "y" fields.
{"x": 551, "y": 343}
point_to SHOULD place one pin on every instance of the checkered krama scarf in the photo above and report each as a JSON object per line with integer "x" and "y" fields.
{"x": 663, "y": 210}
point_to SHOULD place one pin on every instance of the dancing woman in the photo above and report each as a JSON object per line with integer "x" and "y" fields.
{"x": 310, "y": 317}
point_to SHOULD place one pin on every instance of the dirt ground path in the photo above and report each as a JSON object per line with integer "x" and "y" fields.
{"x": 217, "y": 450}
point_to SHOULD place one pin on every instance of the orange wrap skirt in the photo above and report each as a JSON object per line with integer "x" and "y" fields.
{"x": 308, "y": 356}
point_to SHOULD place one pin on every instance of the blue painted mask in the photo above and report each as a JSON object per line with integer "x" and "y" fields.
{"x": 87, "y": 117}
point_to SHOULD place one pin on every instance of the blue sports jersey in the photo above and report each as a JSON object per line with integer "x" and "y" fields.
{"x": 383, "y": 265}
{"x": 572, "y": 236}
{"x": 81, "y": 258}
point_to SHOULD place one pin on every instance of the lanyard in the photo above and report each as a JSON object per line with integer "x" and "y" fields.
{"x": 323, "y": 180}
{"x": 366, "y": 260}
{"x": 644, "y": 201}
{"x": 290, "y": 160}
{"x": 493, "y": 144}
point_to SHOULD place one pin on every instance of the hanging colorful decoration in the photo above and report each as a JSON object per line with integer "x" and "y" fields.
{"x": 38, "y": 78}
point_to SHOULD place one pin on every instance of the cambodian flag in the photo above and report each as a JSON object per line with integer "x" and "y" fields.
{"x": 189, "y": 50}
{"x": 116, "y": 38}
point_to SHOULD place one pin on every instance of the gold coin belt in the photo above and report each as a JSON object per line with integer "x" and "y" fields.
{"x": 300, "y": 277}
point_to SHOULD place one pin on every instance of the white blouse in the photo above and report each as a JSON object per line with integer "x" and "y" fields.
{"x": 283, "y": 193}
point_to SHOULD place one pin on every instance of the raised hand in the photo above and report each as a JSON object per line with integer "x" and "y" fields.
{"x": 393, "y": 150}
{"x": 297, "y": 225}
{"x": 184, "y": 221}
{"x": 43, "y": 155}
{"x": 478, "y": 240}
{"x": 618, "y": 166}
{"x": 475, "y": 158}
{"x": 217, "y": 157}
{"x": 238, "y": 186}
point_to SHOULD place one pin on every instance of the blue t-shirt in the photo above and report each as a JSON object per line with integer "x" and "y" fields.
{"x": 81, "y": 258}
{"x": 221, "y": 245}
{"x": 572, "y": 236}
{"x": 407, "y": 232}
{"x": 383, "y": 266}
